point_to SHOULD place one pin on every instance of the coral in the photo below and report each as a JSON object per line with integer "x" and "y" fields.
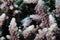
{"x": 2, "y": 18}
{"x": 13, "y": 30}
{"x": 30, "y": 1}
{"x": 29, "y": 19}
{"x": 40, "y": 10}
{"x": 47, "y": 33}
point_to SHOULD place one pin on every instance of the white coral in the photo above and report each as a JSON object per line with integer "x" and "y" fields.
{"x": 13, "y": 23}
{"x": 2, "y": 18}
{"x": 13, "y": 30}
{"x": 57, "y": 2}
{"x": 47, "y": 32}
{"x": 27, "y": 31}
{"x": 30, "y": 1}
{"x": 52, "y": 28}
{"x": 35, "y": 17}
{"x": 11, "y": 7}
{"x": 3, "y": 5}
{"x": 41, "y": 34}
{"x": 51, "y": 19}
{"x": 8, "y": 36}
{"x": 2, "y": 38}
{"x": 40, "y": 1}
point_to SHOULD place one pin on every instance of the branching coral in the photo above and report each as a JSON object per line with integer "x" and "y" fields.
{"x": 33, "y": 21}
{"x": 2, "y": 18}
{"x": 58, "y": 12}
{"x": 40, "y": 10}
{"x": 41, "y": 34}
{"x": 49, "y": 33}
{"x": 28, "y": 30}
{"x": 13, "y": 30}
{"x": 30, "y": 1}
